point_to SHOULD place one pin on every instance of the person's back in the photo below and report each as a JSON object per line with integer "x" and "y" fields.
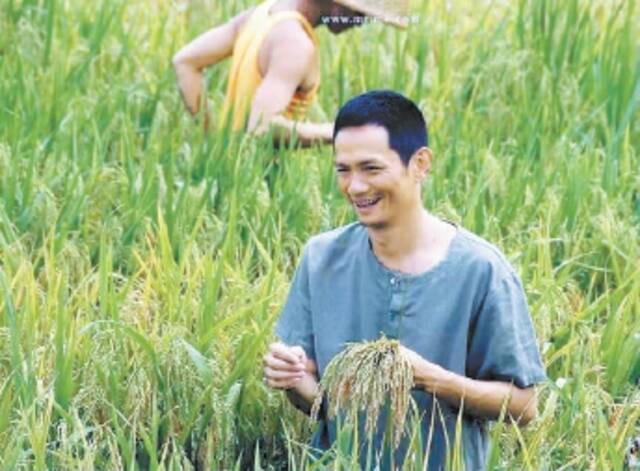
{"x": 268, "y": 28}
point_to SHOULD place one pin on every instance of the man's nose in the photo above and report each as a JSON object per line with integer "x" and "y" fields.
{"x": 357, "y": 186}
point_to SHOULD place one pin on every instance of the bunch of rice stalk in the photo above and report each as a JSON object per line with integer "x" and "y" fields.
{"x": 362, "y": 377}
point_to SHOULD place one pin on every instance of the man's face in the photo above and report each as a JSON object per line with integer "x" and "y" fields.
{"x": 341, "y": 18}
{"x": 373, "y": 178}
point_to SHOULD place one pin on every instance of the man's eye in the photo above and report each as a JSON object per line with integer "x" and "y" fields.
{"x": 371, "y": 169}
{"x": 341, "y": 170}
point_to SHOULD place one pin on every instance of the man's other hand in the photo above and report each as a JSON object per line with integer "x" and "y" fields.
{"x": 285, "y": 366}
{"x": 426, "y": 375}
{"x": 483, "y": 398}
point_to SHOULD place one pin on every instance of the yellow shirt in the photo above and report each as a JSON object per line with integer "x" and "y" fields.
{"x": 245, "y": 77}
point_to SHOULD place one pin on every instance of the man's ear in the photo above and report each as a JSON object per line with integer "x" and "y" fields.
{"x": 420, "y": 163}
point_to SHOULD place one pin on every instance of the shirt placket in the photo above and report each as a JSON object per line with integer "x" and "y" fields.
{"x": 396, "y": 307}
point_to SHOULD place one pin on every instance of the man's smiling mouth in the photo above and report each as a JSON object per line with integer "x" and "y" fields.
{"x": 362, "y": 203}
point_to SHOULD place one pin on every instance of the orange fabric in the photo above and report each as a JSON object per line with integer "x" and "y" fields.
{"x": 245, "y": 77}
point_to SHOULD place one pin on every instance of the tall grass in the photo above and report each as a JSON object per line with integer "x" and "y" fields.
{"x": 143, "y": 264}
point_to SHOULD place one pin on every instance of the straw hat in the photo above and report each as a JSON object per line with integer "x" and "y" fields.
{"x": 394, "y": 12}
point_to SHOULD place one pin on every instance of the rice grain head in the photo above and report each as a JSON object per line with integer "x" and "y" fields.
{"x": 362, "y": 378}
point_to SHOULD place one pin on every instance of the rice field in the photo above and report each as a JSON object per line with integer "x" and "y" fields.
{"x": 143, "y": 264}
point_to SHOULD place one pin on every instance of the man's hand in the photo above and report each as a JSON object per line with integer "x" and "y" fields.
{"x": 287, "y": 367}
{"x": 307, "y": 133}
{"x": 479, "y": 397}
{"x": 426, "y": 375}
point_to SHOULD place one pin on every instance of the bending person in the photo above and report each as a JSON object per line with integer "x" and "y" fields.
{"x": 275, "y": 69}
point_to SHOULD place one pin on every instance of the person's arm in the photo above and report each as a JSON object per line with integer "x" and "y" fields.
{"x": 307, "y": 133}
{"x": 204, "y": 51}
{"x": 289, "y": 364}
{"x": 288, "y": 368}
{"x": 479, "y": 397}
{"x": 290, "y": 61}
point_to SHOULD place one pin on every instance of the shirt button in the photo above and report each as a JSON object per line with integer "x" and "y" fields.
{"x": 392, "y": 281}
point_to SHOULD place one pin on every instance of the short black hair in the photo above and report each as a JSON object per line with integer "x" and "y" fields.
{"x": 400, "y": 116}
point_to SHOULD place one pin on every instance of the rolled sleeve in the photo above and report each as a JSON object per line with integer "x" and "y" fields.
{"x": 503, "y": 345}
{"x": 294, "y": 326}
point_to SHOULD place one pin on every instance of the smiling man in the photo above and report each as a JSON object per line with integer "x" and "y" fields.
{"x": 451, "y": 298}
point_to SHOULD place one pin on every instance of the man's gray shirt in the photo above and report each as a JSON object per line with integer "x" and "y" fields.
{"x": 467, "y": 314}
